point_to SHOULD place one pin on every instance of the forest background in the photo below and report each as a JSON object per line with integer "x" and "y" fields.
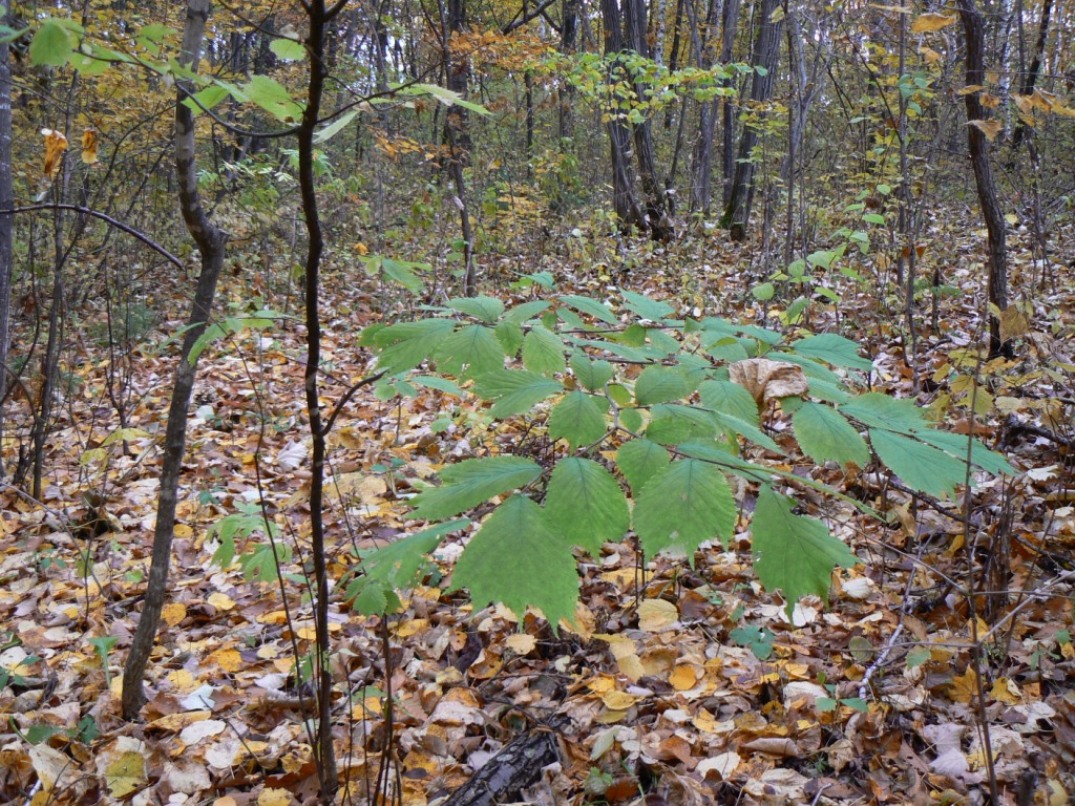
{"x": 721, "y": 350}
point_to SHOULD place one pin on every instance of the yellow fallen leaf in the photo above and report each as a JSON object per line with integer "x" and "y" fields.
{"x": 964, "y": 687}
{"x": 655, "y": 615}
{"x": 274, "y": 797}
{"x": 126, "y": 773}
{"x": 602, "y": 684}
{"x": 618, "y": 700}
{"x": 1005, "y": 690}
{"x": 521, "y": 643}
{"x": 412, "y": 627}
{"x": 173, "y": 613}
{"x": 684, "y": 677}
{"x": 173, "y": 723}
{"x": 182, "y": 681}
{"x": 228, "y": 660}
{"x": 221, "y": 601}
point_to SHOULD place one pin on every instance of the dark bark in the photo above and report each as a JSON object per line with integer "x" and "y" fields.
{"x": 1030, "y": 80}
{"x": 625, "y": 30}
{"x": 324, "y": 751}
{"x": 569, "y": 27}
{"x": 624, "y": 196}
{"x": 6, "y": 223}
{"x": 978, "y": 146}
{"x": 517, "y": 766}
{"x": 766, "y": 50}
{"x": 702, "y": 158}
{"x": 211, "y": 243}
{"x": 728, "y": 23}
{"x": 456, "y": 133}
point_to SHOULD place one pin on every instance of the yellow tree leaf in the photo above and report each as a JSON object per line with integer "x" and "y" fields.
{"x": 990, "y": 128}
{"x": 55, "y": 145}
{"x": 927, "y": 23}
{"x": 89, "y": 147}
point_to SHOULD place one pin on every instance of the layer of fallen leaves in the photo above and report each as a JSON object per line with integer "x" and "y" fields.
{"x": 677, "y": 684}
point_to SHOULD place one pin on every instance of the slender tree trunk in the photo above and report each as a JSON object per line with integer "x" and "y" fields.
{"x": 978, "y": 146}
{"x": 624, "y": 196}
{"x": 766, "y": 50}
{"x": 7, "y": 198}
{"x": 658, "y": 214}
{"x": 324, "y": 752}
{"x": 1030, "y": 79}
{"x": 569, "y": 27}
{"x": 456, "y": 133}
{"x": 211, "y": 242}
{"x": 702, "y": 158}
{"x": 625, "y": 30}
{"x": 728, "y": 24}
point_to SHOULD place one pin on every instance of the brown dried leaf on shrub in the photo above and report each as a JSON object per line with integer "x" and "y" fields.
{"x": 768, "y": 380}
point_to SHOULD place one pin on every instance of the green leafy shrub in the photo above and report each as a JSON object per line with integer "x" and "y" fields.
{"x": 652, "y": 415}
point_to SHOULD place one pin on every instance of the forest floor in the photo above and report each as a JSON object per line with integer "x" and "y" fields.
{"x": 678, "y": 684}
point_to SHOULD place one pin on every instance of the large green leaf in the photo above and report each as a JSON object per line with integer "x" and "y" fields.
{"x": 735, "y": 426}
{"x": 646, "y": 308}
{"x": 590, "y": 306}
{"x": 52, "y": 45}
{"x": 956, "y": 444}
{"x": 525, "y": 311}
{"x": 487, "y": 309}
{"x": 514, "y": 391}
{"x": 833, "y": 349}
{"x": 400, "y": 564}
{"x": 470, "y": 351}
{"x": 825, "y": 435}
{"x": 585, "y": 504}
{"x": 543, "y": 352}
{"x": 921, "y": 467}
{"x": 639, "y": 460}
{"x": 289, "y": 50}
{"x": 881, "y": 411}
{"x": 671, "y": 423}
{"x": 516, "y": 558}
{"x": 792, "y": 552}
{"x": 273, "y": 97}
{"x": 577, "y": 419}
{"x": 727, "y": 397}
{"x": 661, "y": 385}
{"x": 408, "y": 344}
{"x": 510, "y": 336}
{"x": 683, "y": 505}
{"x": 472, "y": 482}
{"x": 593, "y": 375}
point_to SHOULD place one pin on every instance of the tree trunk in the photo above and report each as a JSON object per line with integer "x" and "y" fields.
{"x": 324, "y": 751}
{"x": 702, "y": 159}
{"x": 624, "y": 197}
{"x": 1031, "y": 77}
{"x": 211, "y": 242}
{"x": 766, "y": 50}
{"x": 625, "y": 30}
{"x": 978, "y": 146}
{"x": 728, "y": 24}
{"x": 569, "y": 27}
{"x": 456, "y": 134}
{"x": 7, "y": 202}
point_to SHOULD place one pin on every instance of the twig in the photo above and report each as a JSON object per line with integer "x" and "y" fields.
{"x": 141, "y": 236}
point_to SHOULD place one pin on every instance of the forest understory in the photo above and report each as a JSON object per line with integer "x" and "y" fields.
{"x": 939, "y": 672}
